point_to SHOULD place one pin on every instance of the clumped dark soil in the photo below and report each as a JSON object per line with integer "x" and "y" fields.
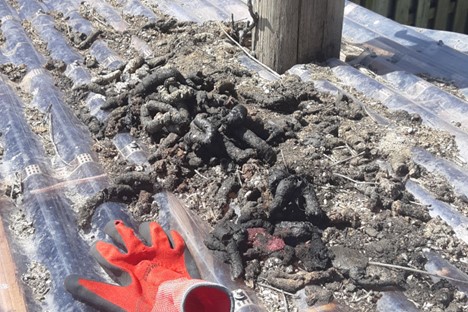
{"x": 301, "y": 189}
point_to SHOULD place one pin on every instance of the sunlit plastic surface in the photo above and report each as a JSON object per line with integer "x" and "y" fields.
{"x": 129, "y": 148}
{"x": 110, "y": 15}
{"x": 136, "y": 8}
{"x": 105, "y": 56}
{"x": 70, "y": 136}
{"x": 17, "y": 47}
{"x": 454, "y": 174}
{"x": 452, "y": 217}
{"x": 395, "y": 101}
{"x": 395, "y": 301}
{"x": 410, "y": 50}
{"x": 57, "y": 243}
{"x": 438, "y": 265}
{"x": 70, "y": 10}
{"x": 94, "y": 102}
{"x": 204, "y": 10}
{"x": 21, "y": 148}
{"x": 454, "y": 40}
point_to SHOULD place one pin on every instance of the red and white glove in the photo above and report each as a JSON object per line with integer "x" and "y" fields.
{"x": 152, "y": 275}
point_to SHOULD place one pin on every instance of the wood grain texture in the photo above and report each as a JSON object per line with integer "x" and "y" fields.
{"x": 460, "y": 23}
{"x": 442, "y": 12}
{"x": 297, "y": 31}
{"x": 11, "y": 295}
{"x": 402, "y": 11}
{"x": 423, "y": 13}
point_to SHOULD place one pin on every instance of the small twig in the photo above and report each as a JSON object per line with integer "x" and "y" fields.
{"x": 329, "y": 158}
{"x": 347, "y": 159}
{"x": 284, "y": 159}
{"x": 354, "y": 299}
{"x": 253, "y": 14}
{"x": 89, "y": 40}
{"x": 210, "y": 209}
{"x": 276, "y": 289}
{"x": 201, "y": 175}
{"x": 52, "y": 139}
{"x": 239, "y": 177}
{"x": 419, "y": 204}
{"x": 285, "y": 301}
{"x": 247, "y": 52}
{"x": 351, "y": 150}
{"x": 393, "y": 266}
{"x": 349, "y": 179}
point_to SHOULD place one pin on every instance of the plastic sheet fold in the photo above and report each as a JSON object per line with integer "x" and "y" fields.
{"x": 57, "y": 243}
{"x": 452, "y": 217}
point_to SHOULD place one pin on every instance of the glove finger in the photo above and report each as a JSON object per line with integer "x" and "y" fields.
{"x": 178, "y": 243}
{"x": 145, "y": 231}
{"x": 155, "y": 235}
{"x": 108, "y": 256}
{"x": 122, "y": 235}
{"x": 102, "y": 296}
{"x": 190, "y": 264}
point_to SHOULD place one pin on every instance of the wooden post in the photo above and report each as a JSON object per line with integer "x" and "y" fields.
{"x": 11, "y": 294}
{"x": 293, "y": 32}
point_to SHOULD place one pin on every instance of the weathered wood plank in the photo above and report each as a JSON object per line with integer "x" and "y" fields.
{"x": 442, "y": 13}
{"x": 460, "y": 21}
{"x": 297, "y": 31}
{"x": 380, "y": 6}
{"x": 402, "y": 10}
{"x": 320, "y": 41}
{"x": 11, "y": 296}
{"x": 423, "y": 13}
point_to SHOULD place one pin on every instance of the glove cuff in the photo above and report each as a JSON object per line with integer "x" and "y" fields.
{"x": 192, "y": 295}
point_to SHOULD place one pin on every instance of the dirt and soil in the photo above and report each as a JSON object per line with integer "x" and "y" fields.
{"x": 302, "y": 189}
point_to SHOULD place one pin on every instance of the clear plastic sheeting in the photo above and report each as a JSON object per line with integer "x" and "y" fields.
{"x": 438, "y": 265}
{"x": 57, "y": 244}
{"x": 203, "y": 10}
{"x": 21, "y": 148}
{"x": 410, "y": 50}
{"x": 395, "y": 101}
{"x": 326, "y": 86}
{"x": 141, "y": 47}
{"x": 399, "y": 55}
{"x": 3, "y": 59}
{"x": 395, "y": 301}
{"x": 136, "y": 8}
{"x": 452, "y": 217}
{"x": 301, "y": 71}
{"x": 130, "y": 149}
{"x": 78, "y": 74}
{"x": 70, "y": 136}
{"x": 105, "y": 56}
{"x": 175, "y": 9}
{"x": 454, "y": 174}
{"x": 261, "y": 70}
{"x": 454, "y": 40}
{"x": 300, "y": 301}
{"x": 18, "y": 47}
{"x": 70, "y": 10}
{"x": 104, "y": 214}
{"x": 94, "y": 102}
{"x": 111, "y": 16}
{"x": 56, "y": 43}
{"x": 29, "y": 8}
{"x": 445, "y": 105}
